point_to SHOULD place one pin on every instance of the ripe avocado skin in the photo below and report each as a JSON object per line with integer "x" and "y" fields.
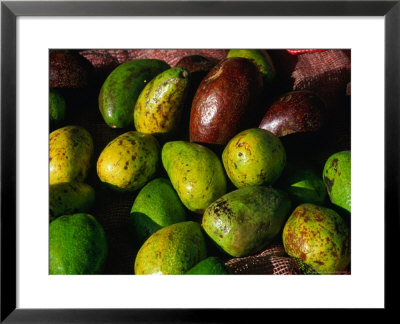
{"x": 157, "y": 205}
{"x": 174, "y": 249}
{"x": 337, "y": 179}
{"x": 209, "y": 266}
{"x": 122, "y": 87}
{"x": 78, "y": 245}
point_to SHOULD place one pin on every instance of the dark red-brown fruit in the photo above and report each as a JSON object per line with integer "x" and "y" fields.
{"x": 294, "y": 112}
{"x": 68, "y": 69}
{"x": 223, "y": 99}
{"x": 196, "y": 63}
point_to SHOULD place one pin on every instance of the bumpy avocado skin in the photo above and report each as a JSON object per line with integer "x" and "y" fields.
{"x": 69, "y": 198}
{"x": 122, "y": 87}
{"x": 246, "y": 220}
{"x": 337, "y": 178}
{"x": 159, "y": 107}
{"x": 56, "y": 107}
{"x": 71, "y": 152}
{"x": 128, "y": 161}
{"x": 195, "y": 172}
{"x": 157, "y": 205}
{"x": 174, "y": 249}
{"x": 254, "y": 157}
{"x": 260, "y": 58}
{"x": 319, "y": 237}
{"x": 77, "y": 245}
{"x": 209, "y": 266}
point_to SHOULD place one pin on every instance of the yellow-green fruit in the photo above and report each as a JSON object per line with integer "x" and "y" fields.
{"x": 128, "y": 161}
{"x": 71, "y": 151}
{"x": 195, "y": 172}
{"x": 158, "y": 109}
{"x": 254, "y": 157}
{"x": 319, "y": 237}
{"x": 174, "y": 249}
{"x": 70, "y": 198}
{"x": 260, "y": 58}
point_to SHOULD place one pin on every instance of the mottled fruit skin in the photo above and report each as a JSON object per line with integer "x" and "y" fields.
{"x": 71, "y": 152}
{"x": 195, "y": 172}
{"x": 196, "y": 63}
{"x": 260, "y": 58}
{"x": 128, "y": 161}
{"x": 69, "y": 198}
{"x": 172, "y": 250}
{"x": 337, "y": 178}
{"x": 246, "y": 220}
{"x": 56, "y": 107}
{"x": 224, "y": 98}
{"x": 209, "y": 266}
{"x": 319, "y": 237}
{"x": 157, "y": 205}
{"x": 122, "y": 87}
{"x": 294, "y": 112}
{"x": 254, "y": 157}
{"x": 77, "y": 245}
{"x": 159, "y": 107}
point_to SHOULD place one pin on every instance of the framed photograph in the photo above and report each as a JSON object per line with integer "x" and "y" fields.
{"x": 358, "y": 40}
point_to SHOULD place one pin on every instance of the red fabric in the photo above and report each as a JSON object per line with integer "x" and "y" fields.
{"x": 302, "y": 51}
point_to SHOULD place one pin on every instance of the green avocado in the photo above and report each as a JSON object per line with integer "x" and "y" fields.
{"x": 70, "y": 198}
{"x": 337, "y": 178}
{"x": 78, "y": 245}
{"x": 157, "y": 205}
{"x": 174, "y": 249}
{"x": 209, "y": 266}
{"x": 319, "y": 237}
{"x": 260, "y": 58}
{"x": 195, "y": 172}
{"x": 159, "y": 107}
{"x": 246, "y": 220}
{"x": 254, "y": 157}
{"x": 122, "y": 87}
{"x": 56, "y": 107}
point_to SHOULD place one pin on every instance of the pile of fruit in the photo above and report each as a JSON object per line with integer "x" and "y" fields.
{"x": 196, "y": 164}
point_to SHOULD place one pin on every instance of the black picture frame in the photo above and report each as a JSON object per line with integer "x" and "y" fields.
{"x": 10, "y": 10}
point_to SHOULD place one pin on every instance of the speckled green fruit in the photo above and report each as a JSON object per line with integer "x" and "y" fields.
{"x": 246, "y": 220}
{"x": 174, "y": 249}
{"x": 254, "y": 157}
{"x": 56, "y": 107}
{"x": 319, "y": 237}
{"x": 157, "y": 205}
{"x": 195, "y": 172}
{"x": 128, "y": 161}
{"x": 159, "y": 107}
{"x": 70, "y": 198}
{"x": 260, "y": 58}
{"x": 122, "y": 87}
{"x": 303, "y": 185}
{"x": 78, "y": 245}
{"x": 209, "y": 266}
{"x": 337, "y": 178}
{"x": 71, "y": 151}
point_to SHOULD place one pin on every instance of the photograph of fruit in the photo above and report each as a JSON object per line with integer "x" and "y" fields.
{"x": 200, "y": 161}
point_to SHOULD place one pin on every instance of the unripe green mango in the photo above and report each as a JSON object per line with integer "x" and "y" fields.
{"x": 260, "y": 58}
{"x": 71, "y": 151}
{"x": 246, "y": 220}
{"x": 172, "y": 250}
{"x": 209, "y": 266}
{"x": 159, "y": 107}
{"x": 56, "y": 107}
{"x": 254, "y": 157}
{"x": 128, "y": 161}
{"x": 157, "y": 205}
{"x": 337, "y": 178}
{"x": 195, "y": 172}
{"x": 122, "y": 87}
{"x": 319, "y": 237}
{"x": 77, "y": 245}
{"x": 69, "y": 198}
